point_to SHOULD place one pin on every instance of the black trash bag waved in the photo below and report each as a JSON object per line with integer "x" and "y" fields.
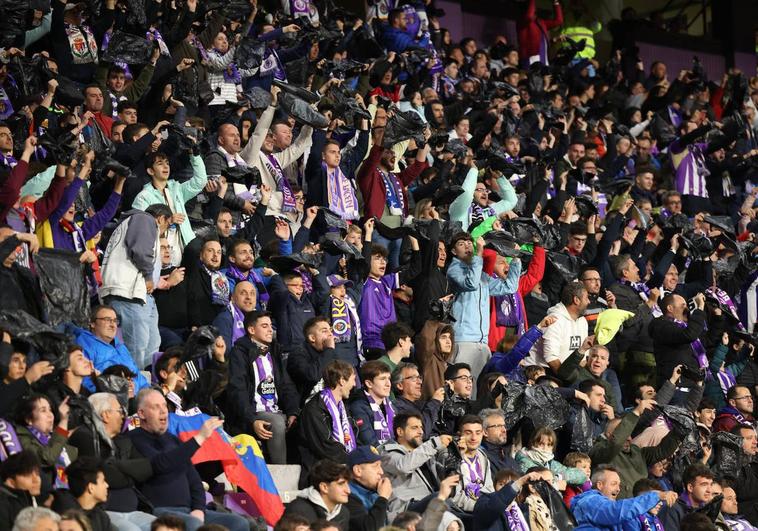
{"x": 540, "y": 403}
{"x": 299, "y": 92}
{"x": 449, "y": 229}
{"x": 247, "y": 175}
{"x": 136, "y": 15}
{"x": 249, "y": 54}
{"x": 445, "y": 195}
{"x": 567, "y": 266}
{"x": 442, "y": 310}
{"x": 513, "y": 403}
{"x": 562, "y": 517}
{"x": 63, "y": 301}
{"x": 712, "y": 509}
{"x": 68, "y": 92}
{"x": 231, "y": 9}
{"x": 502, "y": 243}
{"x": 581, "y": 431}
{"x": 200, "y": 344}
{"x": 523, "y": 229}
{"x": 60, "y": 146}
{"x": 404, "y": 126}
{"x": 291, "y": 262}
{"x": 683, "y": 425}
{"x": 302, "y": 111}
{"x": 31, "y": 75}
{"x": 117, "y": 168}
{"x": 332, "y": 219}
{"x": 258, "y": 98}
{"x": 117, "y": 385}
{"x": 127, "y": 48}
{"x": 13, "y": 21}
{"x": 729, "y": 456}
{"x": 50, "y": 344}
{"x": 333, "y": 244}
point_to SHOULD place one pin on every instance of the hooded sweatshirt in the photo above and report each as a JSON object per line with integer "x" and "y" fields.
{"x": 560, "y": 339}
{"x": 310, "y": 505}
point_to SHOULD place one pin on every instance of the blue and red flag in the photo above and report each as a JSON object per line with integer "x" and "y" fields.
{"x": 241, "y": 459}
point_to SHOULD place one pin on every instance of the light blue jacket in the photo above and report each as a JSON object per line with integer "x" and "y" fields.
{"x": 104, "y": 355}
{"x": 459, "y": 208}
{"x": 593, "y": 511}
{"x": 180, "y": 194}
{"x": 472, "y": 289}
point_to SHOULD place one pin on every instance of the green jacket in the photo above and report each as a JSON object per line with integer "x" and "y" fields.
{"x": 180, "y": 193}
{"x": 572, "y": 476}
{"x": 571, "y": 372}
{"x": 133, "y": 91}
{"x": 712, "y": 387}
{"x": 632, "y": 464}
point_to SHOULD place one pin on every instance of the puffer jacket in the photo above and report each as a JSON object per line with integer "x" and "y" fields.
{"x": 473, "y": 289}
{"x": 104, "y": 355}
{"x": 594, "y": 511}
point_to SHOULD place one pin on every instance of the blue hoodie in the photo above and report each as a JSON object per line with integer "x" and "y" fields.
{"x": 594, "y": 511}
{"x": 104, "y": 355}
{"x": 473, "y": 289}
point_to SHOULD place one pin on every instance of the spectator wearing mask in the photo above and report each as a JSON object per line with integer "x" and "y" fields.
{"x": 406, "y": 385}
{"x": 260, "y": 387}
{"x": 130, "y": 270}
{"x": 175, "y": 486}
{"x": 540, "y": 453}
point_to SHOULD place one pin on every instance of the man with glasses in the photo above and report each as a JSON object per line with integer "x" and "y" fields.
{"x": 459, "y": 386}
{"x": 103, "y": 348}
{"x": 494, "y": 443}
{"x": 672, "y": 203}
{"x": 590, "y": 277}
{"x": 738, "y": 411}
{"x": 406, "y": 384}
{"x": 124, "y": 466}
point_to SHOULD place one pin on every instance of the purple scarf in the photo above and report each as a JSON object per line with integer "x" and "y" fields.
{"x": 383, "y": 424}
{"x": 231, "y": 73}
{"x": 61, "y": 462}
{"x": 697, "y": 349}
{"x": 300, "y": 8}
{"x": 195, "y": 41}
{"x": 649, "y": 522}
{"x": 509, "y": 311}
{"x": 725, "y": 300}
{"x": 516, "y": 520}
{"x": 342, "y": 199}
{"x": 265, "y": 396}
{"x": 8, "y": 160}
{"x": 733, "y": 411}
{"x": 238, "y": 327}
{"x": 726, "y": 380}
{"x": 251, "y": 276}
{"x": 155, "y": 35}
{"x": 393, "y": 189}
{"x": 476, "y": 477}
{"x": 342, "y": 327}
{"x": 342, "y": 431}
{"x": 282, "y": 184}
{"x": 9, "y": 443}
{"x": 643, "y": 290}
{"x": 272, "y": 66}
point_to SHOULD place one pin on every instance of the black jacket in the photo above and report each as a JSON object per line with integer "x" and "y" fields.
{"x": 312, "y": 512}
{"x": 306, "y": 365}
{"x": 97, "y": 516}
{"x": 635, "y": 334}
{"x": 500, "y": 457}
{"x": 242, "y": 384}
{"x": 315, "y": 434}
{"x": 12, "y": 501}
{"x": 672, "y": 343}
{"x": 124, "y": 467}
{"x": 290, "y": 314}
{"x": 428, "y": 411}
{"x": 362, "y": 519}
{"x": 172, "y": 304}
{"x": 746, "y": 487}
{"x": 200, "y": 307}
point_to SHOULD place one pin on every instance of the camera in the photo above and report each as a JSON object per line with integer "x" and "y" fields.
{"x": 692, "y": 374}
{"x": 453, "y": 407}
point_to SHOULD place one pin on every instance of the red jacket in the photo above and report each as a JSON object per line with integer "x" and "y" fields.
{"x": 372, "y": 185}
{"x": 531, "y": 29}
{"x": 11, "y": 188}
{"x": 526, "y": 283}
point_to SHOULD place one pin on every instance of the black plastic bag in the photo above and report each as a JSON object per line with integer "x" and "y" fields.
{"x": 684, "y": 426}
{"x": 331, "y": 243}
{"x": 291, "y": 262}
{"x": 247, "y": 175}
{"x": 302, "y": 111}
{"x": 60, "y": 148}
{"x": 231, "y": 9}
{"x": 136, "y": 15}
{"x": 299, "y": 92}
{"x": 513, "y": 403}
{"x": 446, "y": 195}
{"x": 127, "y": 48}
{"x": 561, "y": 516}
{"x": 449, "y": 229}
{"x": 502, "y": 243}
{"x": 545, "y": 406}
{"x": 712, "y": 509}
{"x": 65, "y": 295}
{"x": 566, "y": 265}
{"x": 31, "y": 75}
{"x": 332, "y": 219}
{"x": 523, "y": 229}
{"x": 403, "y": 126}
{"x": 249, "y": 54}
{"x": 729, "y": 456}
{"x": 258, "y": 98}
{"x": 200, "y": 344}
{"x": 442, "y": 310}
{"x": 50, "y": 344}
{"x": 581, "y": 431}
{"x": 68, "y": 92}
{"x": 116, "y": 385}
{"x": 13, "y": 21}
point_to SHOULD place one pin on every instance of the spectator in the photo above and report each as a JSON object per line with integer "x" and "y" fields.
{"x": 499, "y": 453}
{"x": 326, "y": 497}
{"x": 406, "y": 385}
{"x": 374, "y": 411}
{"x": 370, "y": 491}
{"x": 22, "y": 484}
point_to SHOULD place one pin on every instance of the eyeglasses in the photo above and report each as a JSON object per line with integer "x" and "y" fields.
{"x": 464, "y": 378}
{"x": 496, "y": 426}
{"x": 121, "y": 411}
{"x": 109, "y": 320}
{"x": 746, "y": 397}
{"x": 414, "y": 378}
{"x": 593, "y": 279}
{"x": 482, "y": 190}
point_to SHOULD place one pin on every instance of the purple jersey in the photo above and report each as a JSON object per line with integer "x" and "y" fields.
{"x": 377, "y": 308}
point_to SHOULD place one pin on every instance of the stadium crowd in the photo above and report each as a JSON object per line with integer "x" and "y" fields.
{"x": 463, "y": 286}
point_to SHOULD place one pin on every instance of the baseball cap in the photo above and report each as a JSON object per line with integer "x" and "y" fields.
{"x": 336, "y": 280}
{"x": 362, "y": 455}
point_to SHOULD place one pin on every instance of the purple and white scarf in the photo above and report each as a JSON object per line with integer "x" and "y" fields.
{"x": 394, "y": 191}
{"x": 6, "y": 107}
{"x": 342, "y": 431}
{"x": 643, "y": 290}
{"x": 195, "y": 41}
{"x": 9, "y": 443}
{"x": 238, "y": 326}
{"x": 342, "y": 198}
{"x": 300, "y": 8}
{"x": 272, "y": 66}
{"x": 475, "y": 476}
{"x": 698, "y": 350}
{"x": 62, "y": 461}
{"x": 383, "y": 424}
{"x": 265, "y": 396}
{"x": 509, "y": 311}
{"x": 220, "y": 290}
{"x": 726, "y": 380}
{"x": 154, "y": 35}
{"x": 8, "y": 160}
{"x": 649, "y": 522}
{"x": 253, "y": 277}
{"x": 725, "y": 300}
{"x": 477, "y": 212}
{"x": 516, "y": 520}
{"x": 282, "y": 184}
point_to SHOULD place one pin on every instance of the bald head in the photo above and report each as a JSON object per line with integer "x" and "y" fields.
{"x": 244, "y": 296}
{"x": 229, "y": 138}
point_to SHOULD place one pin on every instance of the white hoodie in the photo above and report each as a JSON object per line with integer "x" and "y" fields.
{"x": 560, "y": 339}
